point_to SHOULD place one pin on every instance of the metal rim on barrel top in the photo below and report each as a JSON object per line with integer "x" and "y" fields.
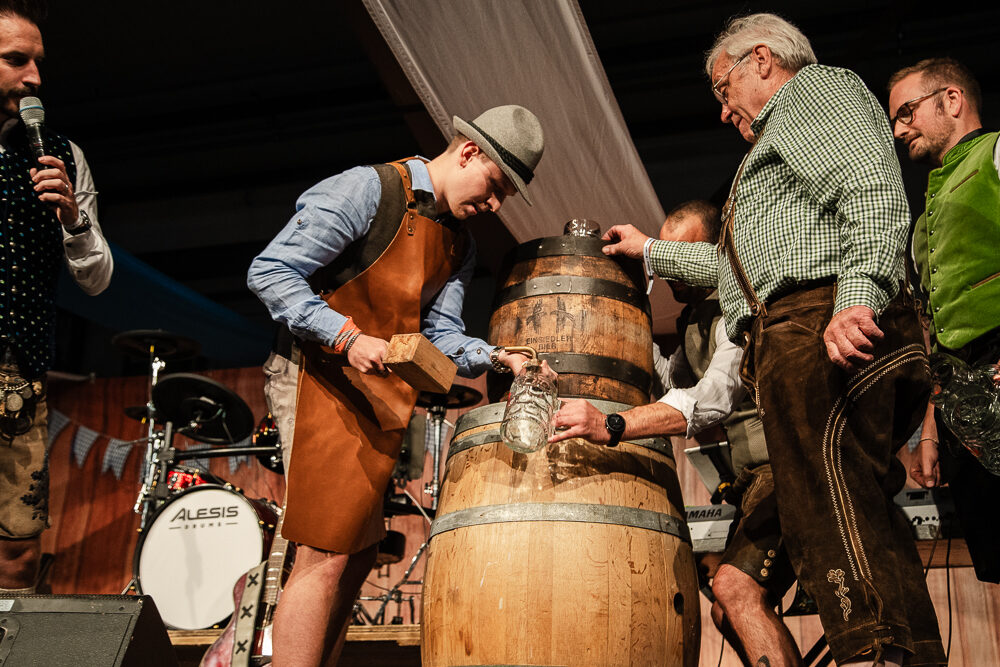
{"x": 580, "y": 246}
{"x": 555, "y": 246}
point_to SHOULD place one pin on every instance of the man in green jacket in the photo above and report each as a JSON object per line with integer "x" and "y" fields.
{"x": 934, "y": 108}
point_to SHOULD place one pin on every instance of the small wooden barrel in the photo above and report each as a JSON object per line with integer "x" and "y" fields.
{"x": 586, "y": 313}
{"x": 577, "y": 554}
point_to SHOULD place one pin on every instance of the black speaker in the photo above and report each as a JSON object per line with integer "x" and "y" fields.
{"x": 83, "y": 631}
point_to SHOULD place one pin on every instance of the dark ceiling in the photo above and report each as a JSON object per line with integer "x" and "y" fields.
{"x": 203, "y": 121}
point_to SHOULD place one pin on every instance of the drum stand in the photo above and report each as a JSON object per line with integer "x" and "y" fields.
{"x": 435, "y": 417}
{"x": 392, "y": 595}
{"x": 157, "y": 346}
{"x": 145, "y": 504}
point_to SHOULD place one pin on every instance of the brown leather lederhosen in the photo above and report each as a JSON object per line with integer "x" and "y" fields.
{"x": 349, "y": 426}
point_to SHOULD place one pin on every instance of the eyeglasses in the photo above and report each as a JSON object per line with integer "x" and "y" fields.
{"x": 904, "y": 114}
{"x": 724, "y": 96}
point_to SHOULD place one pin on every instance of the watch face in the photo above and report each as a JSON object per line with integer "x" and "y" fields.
{"x": 615, "y": 423}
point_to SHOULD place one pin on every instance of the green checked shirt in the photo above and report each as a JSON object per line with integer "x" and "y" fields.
{"x": 820, "y": 196}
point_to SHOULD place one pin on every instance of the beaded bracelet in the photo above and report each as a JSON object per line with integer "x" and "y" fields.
{"x": 348, "y": 333}
{"x": 350, "y": 341}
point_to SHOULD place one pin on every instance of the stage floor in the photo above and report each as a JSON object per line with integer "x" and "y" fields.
{"x": 367, "y": 645}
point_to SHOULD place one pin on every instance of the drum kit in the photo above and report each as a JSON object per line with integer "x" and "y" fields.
{"x": 198, "y": 533}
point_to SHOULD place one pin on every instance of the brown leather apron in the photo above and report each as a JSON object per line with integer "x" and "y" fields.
{"x": 349, "y": 426}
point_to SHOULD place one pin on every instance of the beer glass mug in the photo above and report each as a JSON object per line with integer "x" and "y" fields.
{"x": 527, "y": 420}
{"x": 970, "y": 406}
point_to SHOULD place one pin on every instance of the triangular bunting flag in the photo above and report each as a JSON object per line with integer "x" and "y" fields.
{"x": 82, "y": 442}
{"x": 236, "y": 461}
{"x": 201, "y": 464}
{"x": 115, "y": 456}
{"x": 57, "y": 422}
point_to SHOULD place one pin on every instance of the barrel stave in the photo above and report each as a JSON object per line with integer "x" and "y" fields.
{"x": 542, "y": 593}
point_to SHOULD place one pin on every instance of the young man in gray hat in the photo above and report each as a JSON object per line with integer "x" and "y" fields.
{"x": 369, "y": 253}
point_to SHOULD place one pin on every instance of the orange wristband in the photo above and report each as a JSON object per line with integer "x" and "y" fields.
{"x": 346, "y": 337}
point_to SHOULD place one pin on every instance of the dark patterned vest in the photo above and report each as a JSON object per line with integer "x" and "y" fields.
{"x": 744, "y": 431}
{"x": 31, "y": 252}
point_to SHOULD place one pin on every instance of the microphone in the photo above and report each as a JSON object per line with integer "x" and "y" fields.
{"x": 33, "y": 115}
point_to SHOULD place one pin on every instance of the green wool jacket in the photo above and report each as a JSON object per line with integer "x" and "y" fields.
{"x": 956, "y": 243}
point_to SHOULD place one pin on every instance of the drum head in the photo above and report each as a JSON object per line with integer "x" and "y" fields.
{"x": 194, "y": 550}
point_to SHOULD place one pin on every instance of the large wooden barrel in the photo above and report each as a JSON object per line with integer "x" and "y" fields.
{"x": 586, "y": 313}
{"x": 577, "y": 554}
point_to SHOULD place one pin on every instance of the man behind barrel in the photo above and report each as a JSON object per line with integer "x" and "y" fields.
{"x": 703, "y": 390}
{"x": 811, "y": 255}
{"x": 369, "y": 253}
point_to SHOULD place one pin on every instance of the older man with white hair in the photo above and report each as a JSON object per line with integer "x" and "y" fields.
{"x": 811, "y": 279}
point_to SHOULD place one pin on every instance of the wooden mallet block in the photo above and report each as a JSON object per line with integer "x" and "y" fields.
{"x": 421, "y": 365}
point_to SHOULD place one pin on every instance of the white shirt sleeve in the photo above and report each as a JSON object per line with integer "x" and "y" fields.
{"x": 87, "y": 255}
{"x": 717, "y": 394}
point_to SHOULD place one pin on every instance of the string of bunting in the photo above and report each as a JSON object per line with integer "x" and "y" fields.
{"x": 117, "y": 451}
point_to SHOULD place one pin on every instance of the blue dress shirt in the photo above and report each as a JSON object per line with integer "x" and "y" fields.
{"x": 330, "y": 216}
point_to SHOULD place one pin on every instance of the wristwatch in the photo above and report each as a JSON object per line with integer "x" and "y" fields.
{"x": 615, "y": 424}
{"x": 498, "y": 365}
{"x": 83, "y": 224}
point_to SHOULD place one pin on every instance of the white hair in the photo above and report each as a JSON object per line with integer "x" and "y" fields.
{"x": 790, "y": 48}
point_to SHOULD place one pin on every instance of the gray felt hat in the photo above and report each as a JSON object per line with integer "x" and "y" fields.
{"x": 512, "y": 137}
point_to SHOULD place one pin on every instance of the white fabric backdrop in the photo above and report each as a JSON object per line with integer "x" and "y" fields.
{"x": 464, "y": 56}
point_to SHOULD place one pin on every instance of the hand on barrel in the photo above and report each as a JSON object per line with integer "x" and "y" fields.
{"x": 579, "y": 419}
{"x": 366, "y": 355}
{"x": 625, "y": 240}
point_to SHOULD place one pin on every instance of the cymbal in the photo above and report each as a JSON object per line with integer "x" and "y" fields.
{"x": 459, "y": 396}
{"x": 218, "y": 415}
{"x": 137, "y": 343}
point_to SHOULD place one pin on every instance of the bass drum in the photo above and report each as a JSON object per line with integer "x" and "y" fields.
{"x": 195, "y": 548}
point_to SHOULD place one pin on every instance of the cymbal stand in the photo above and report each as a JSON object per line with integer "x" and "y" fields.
{"x": 435, "y": 416}
{"x": 392, "y": 595}
{"x": 154, "y": 490}
{"x": 145, "y": 503}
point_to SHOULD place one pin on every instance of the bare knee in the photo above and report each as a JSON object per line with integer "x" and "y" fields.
{"x": 329, "y": 567}
{"x": 736, "y": 591}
